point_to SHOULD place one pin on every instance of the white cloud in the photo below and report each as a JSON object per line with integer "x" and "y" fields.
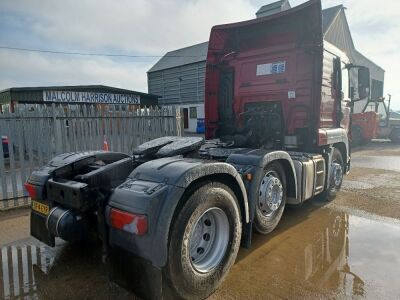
{"x": 140, "y": 26}
{"x": 33, "y": 69}
{"x": 137, "y": 27}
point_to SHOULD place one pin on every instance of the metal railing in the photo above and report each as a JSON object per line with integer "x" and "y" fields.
{"x": 32, "y": 136}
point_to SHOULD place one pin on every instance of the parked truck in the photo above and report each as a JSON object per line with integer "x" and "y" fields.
{"x": 375, "y": 122}
{"x": 277, "y": 123}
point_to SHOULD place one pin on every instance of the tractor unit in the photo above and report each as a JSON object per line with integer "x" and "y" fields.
{"x": 277, "y": 117}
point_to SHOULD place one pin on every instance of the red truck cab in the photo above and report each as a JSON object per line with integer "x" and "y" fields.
{"x": 278, "y": 74}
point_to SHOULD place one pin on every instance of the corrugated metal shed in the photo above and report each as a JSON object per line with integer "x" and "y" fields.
{"x": 337, "y": 32}
{"x": 179, "y": 85}
{"x": 180, "y": 57}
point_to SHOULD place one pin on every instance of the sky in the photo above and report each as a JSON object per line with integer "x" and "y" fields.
{"x": 151, "y": 28}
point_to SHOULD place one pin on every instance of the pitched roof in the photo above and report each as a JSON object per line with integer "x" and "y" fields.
{"x": 180, "y": 57}
{"x": 329, "y": 15}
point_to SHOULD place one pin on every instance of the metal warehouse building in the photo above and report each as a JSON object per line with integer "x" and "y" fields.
{"x": 80, "y": 94}
{"x": 178, "y": 77}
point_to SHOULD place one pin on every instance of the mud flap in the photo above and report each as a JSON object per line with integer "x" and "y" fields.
{"x": 39, "y": 230}
{"x": 137, "y": 275}
{"x": 246, "y": 235}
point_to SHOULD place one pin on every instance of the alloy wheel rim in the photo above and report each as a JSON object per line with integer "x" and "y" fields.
{"x": 271, "y": 194}
{"x": 208, "y": 240}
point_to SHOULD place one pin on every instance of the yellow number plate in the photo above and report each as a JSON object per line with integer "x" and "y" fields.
{"x": 40, "y": 207}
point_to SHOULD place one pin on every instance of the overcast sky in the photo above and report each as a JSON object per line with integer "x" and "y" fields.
{"x": 152, "y": 27}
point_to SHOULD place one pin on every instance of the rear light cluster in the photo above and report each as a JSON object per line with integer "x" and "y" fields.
{"x": 129, "y": 222}
{"x": 31, "y": 189}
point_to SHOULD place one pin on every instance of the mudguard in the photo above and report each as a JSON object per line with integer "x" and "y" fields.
{"x": 334, "y": 137}
{"x": 154, "y": 189}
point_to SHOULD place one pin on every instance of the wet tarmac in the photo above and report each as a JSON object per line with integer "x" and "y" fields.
{"x": 378, "y": 162}
{"x": 349, "y": 248}
{"x": 319, "y": 253}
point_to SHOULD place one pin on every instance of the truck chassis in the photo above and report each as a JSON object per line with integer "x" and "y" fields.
{"x": 182, "y": 205}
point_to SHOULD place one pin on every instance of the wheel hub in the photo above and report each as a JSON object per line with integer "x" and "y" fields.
{"x": 336, "y": 175}
{"x": 209, "y": 239}
{"x": 271, "y": 194}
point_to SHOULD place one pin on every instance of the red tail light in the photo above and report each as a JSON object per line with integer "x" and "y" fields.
{"x": 133, "y": 223}
{"x": 31, "y": 189}
{"x": 5, "y": 140}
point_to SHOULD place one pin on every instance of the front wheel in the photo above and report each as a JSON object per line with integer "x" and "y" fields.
{"x": 204, "y": 241}
{"x": 271, "y": 199}
{"x": 336, "y": 177}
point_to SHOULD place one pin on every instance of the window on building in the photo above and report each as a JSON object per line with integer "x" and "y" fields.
{"x": 193, "y": 112}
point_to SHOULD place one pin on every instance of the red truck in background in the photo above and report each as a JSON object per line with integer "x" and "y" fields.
{"x": 277, "y": 125}
{"x": 365, "y": 127}
{"x": 375, "y": 122}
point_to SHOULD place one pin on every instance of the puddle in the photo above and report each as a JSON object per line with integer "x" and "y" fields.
{"x": 356, "y": 185}
{"x": 316, "y": 252}
{"x": 31, "y": 271}
{"x": 319, "y": 253}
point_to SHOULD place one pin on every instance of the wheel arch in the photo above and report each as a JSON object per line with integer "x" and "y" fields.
{"x": 290, "y": 176}
{"x": 232, "y": 181}
{"x": 286, "y": 162}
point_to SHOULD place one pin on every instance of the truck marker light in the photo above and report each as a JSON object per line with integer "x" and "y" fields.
{"x": 249, "y": 177}
{"x": 133, "y": 223}
{"x": 31, "y": 189}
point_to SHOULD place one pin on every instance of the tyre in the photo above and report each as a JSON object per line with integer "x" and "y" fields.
{"x": 272, "y": 199}
{"x": 395, "y": 136}
{"x": 204, "y": 241}
{"x": 336, "y": 178}
{"x": 356, "y": 136}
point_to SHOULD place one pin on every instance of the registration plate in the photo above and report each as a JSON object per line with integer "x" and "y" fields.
{"x": 40, "y": 207}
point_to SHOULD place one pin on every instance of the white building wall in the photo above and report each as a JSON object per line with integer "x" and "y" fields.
{"x": 192, "y": 121}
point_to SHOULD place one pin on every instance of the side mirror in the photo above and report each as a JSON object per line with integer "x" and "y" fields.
{"x": 363, "y": 82}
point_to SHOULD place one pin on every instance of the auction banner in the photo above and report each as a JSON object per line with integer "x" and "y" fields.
{"x": 89, "y": 97}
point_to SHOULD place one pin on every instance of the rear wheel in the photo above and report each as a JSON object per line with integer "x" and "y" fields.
{"x": 336, "y": 176}
{"x": 204, "y": 242}
{"x": 395, "y": 136}
{"x": 271, "y": 199}
{"x": 356, "y": 136}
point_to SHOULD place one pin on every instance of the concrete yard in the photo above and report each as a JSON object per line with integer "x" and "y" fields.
{"x": 348, "y": 248}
